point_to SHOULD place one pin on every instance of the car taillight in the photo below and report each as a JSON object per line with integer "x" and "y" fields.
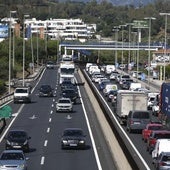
{"x": 162, "y": 164}
{"x": 131, "y": 122}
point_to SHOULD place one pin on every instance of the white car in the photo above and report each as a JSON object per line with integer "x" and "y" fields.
{"x": 64, "y": 104}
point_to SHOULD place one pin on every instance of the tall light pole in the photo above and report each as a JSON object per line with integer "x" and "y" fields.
{"x": 129, "y": 24}
{"x": 9, "y": 74}
{"x": 149, "y": 46}
{"x": 116, "y": 29}
{"x": 166, "y": 17}
{"x": 122, "y": 26}
{"x": 23, "y": 66}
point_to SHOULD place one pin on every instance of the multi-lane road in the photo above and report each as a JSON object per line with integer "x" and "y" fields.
{"x": 45, "y": 126}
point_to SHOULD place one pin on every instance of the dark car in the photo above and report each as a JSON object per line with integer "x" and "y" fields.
{"x": 17, "y": 139}
{"x": 67, "y": 84}
{"x": 45, "y": 91}
{"x": 70, "y": 93}
{"x": 137, "y": 120}
{"x": 73, "y": 138}
{"x": 50, "y": 65}
{"x": 111, "y": 94}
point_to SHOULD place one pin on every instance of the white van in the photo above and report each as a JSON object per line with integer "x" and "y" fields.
{"x": 109, "y": 87}
{"x": 88, "y": 65}
{"x": 162, "y": 145}
{"x": 134, "y": 86}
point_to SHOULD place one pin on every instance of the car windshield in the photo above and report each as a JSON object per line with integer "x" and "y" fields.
{"x": 141, "y": 115}
{"x": 64, "y": 101}
{"x": 154, "y": 127}
{"x": 166, "y": 158}
{"x": 21, "y": 91}
{"x": 17, "y": 135}
{"x": 73, "y": 133}
{"x": 45, "y": 87}
{"x": 12, "y": 156}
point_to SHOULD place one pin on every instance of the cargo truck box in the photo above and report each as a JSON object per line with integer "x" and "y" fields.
{"x": 129, "y": 101}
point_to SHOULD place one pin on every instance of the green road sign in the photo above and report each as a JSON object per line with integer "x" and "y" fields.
{"x": 5, "y": 112}
{"x": 140, "y": 24}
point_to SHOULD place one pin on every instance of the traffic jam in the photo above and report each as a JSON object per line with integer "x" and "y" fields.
{"x": 141, "y": 112}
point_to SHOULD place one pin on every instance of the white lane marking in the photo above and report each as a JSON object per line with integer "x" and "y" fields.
{"x": 52, "y": 105}
{"x": 48, "y": 130}
{"x": 45, "y": 143}
{"x": 91, "y": 134}
{"x": 53, "y": 100}
{"x": 33, "y": 117}
{"x": 20, "y": 109}
{"x": 51, "y": 112}
{"x": 50, "y": 119}
{"x": 68, "y": 117}
{"x": 42, "y": 160}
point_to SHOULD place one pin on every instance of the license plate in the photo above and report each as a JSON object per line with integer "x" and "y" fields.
{"x": 73, "y": 144}
{"x": 136, "y": 123}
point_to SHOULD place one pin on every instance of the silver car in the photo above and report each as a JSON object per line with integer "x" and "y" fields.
{"x": 64, "y": 104}
{"x": 13, "y": 159}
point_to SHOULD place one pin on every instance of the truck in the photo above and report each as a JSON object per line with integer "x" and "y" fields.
{"x": 164, "y": 103}
{"x": 66, "y": 72}
{"x": 128, "y": 100}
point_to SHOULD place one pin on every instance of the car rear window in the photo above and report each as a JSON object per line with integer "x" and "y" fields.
{"x": 141, "y": 115}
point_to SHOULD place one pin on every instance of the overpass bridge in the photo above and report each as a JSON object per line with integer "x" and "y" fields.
{"x": 115, "y": 46}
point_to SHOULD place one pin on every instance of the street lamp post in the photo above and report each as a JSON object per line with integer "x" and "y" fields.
{"x": 129, "y": 24}
{"x": 116, "y": 29}
{"x": 9, "y": 76}
{"x": 166, "y": 16}
{"x": 122, "y": 26}
{"x": 149, "y": 45}
{"x": 23, "y": 66}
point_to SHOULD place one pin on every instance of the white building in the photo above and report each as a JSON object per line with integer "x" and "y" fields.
{"x": 67, "y": 29}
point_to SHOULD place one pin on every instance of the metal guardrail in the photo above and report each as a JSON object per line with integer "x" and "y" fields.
{"x": 6, "y": 98}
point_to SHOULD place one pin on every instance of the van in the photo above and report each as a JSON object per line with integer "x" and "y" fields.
{"x": 109, "y": 87}
{"x": 134, "y": 86}
{"x": 162, "y": 145}
{"x": 137, "y": 120}
{"x": 88, "y": 65}
{"x": 22, "y": 94}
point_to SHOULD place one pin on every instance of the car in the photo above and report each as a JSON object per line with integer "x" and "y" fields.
{"x": 158, "y": 134}
{"x": 163, "y": 161}
{"x": 22, "y": 94}
{"x": 13, "y": 160}
{"x": 64, "y": 104}
{"x": 17, "y": 139}
{"x": 73, "y": 138}
{"x": 113, "y": 75}
{"x": 111, "y": 94}
{"x": 50, "y": 65}
{"x": 162, "y": 145}
{"x": 45, "y": 91}
{"x": 149, "y": 128}
{"x": 70, "y": 93}
{"x": 137, "y": 120}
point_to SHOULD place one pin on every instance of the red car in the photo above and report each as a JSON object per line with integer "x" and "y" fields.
{"x": 149, "y": 128}
{"x": 158, "y": 134}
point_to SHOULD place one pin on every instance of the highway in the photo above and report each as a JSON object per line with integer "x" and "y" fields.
{"x": 45, "y": 126}
{"x": 135, "y": 138}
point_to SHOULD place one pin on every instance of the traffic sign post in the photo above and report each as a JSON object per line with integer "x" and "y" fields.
{"x": 5, "y": 112}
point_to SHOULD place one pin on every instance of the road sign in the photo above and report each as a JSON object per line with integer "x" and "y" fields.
{"x": 5, "y": 112}
{"x": 140, "y": 24}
